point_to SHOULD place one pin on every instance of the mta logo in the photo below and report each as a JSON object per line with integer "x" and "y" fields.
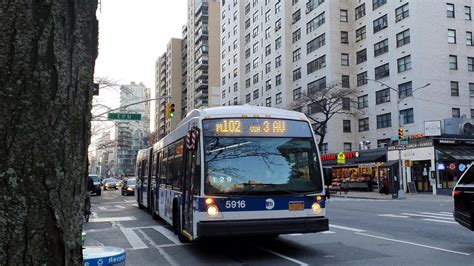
{"x": 269, "y": 204}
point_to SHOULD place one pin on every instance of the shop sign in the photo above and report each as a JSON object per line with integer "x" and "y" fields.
{"x": 462, "y": 167}
{"x": 341, "y": 158}
{"x": 441, "y": 166}
{"x": 408, "y": 163}
{"x": 452, "y": 166}
{"x": 416, "y": 136}
{"x": 333, "y": 157}
{"x": 433, "y": 128}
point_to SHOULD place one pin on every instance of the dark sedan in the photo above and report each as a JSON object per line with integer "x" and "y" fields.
{"x": 110, "y": 183}
{"x": 97, "y": 184}
{"x": 128, "y": 187}
{"x": 463, "y": 194}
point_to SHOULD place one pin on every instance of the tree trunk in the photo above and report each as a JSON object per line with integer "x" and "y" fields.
{"x": 47, "y": 55}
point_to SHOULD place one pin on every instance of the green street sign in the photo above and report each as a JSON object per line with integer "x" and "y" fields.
{"x": 123, "y": 116}
{"x": 341, "y": 158}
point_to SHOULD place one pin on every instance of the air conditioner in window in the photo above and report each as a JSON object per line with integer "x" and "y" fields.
{"x": 398, "y": 18}
{"x": 384, "y": 24}
{"x": 358, "y": 38}
{"x": 386, "y": 99}
{"x": 308, "y": 10}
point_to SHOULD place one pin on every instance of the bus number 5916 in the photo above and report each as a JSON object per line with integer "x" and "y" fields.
{"x": 235, "y": 204}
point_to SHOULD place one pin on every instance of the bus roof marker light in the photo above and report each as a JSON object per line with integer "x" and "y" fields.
{"x": 256, "y": 116}
{"x": 319, "y": 198}
{"x": 209, "y": 201}
{"x": 245, "y": 116}
{"x": 268, "y": 116}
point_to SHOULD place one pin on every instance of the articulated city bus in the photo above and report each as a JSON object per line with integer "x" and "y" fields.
{"x": 235, "y": 171}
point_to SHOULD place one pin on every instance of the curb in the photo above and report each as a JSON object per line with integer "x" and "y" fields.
{"x": 359, "y": 197}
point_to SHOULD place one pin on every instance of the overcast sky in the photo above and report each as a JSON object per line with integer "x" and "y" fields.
{"x": 132, "y": 34}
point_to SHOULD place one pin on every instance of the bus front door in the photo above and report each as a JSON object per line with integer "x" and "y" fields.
{"x": 189, "y": 191}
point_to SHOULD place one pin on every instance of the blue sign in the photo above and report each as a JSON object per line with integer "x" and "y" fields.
{"x": 441, "y": 166}
{"x": 103, "y": 256}
{"x": 462, "y": 167}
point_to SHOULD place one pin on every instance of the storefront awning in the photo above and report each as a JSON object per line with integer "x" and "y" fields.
{"x": 461, "y": 152}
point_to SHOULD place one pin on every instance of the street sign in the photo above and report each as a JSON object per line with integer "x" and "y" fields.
{"x": 404, "y": 142}
{"x": 341, "y": 158}
{"x": 400, "y": 147}
{"x": 123, "y": 116}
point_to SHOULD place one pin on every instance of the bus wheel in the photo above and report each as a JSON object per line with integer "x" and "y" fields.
{"x": 177, "y": 225}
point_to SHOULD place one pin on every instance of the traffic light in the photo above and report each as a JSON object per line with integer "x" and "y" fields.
{"x": 169, "y": 110}
{"x": 401, "y": 133}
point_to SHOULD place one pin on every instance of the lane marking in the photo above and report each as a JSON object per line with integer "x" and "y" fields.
{"x": 99, "y": 230}
{"x": 113, "y": 219}
{"x": 135, "y": 205}
{"x": 428, "y": 216}
{"x": 393, "y": 215}
{"x": 120, "y": 207}
{"x": 447, "y": 213}
{"x": 284, "y": 257}
{"x": 440, "y": 221}
{"x": 102, "y": 208}
{"x": 114, "y": 202}
{"x": 439, "y": 214}
{"x": 414, "y": 244}
{"x": 163, "y": 253}
{"x": 133, "y": 238}
{"x": 328, "y": 232}
{"x": 297, "y": 234}
{"x": 347, "y": 228}
{"x": 167, "y": 233}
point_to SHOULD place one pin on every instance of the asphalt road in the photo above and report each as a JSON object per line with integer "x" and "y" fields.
{"x": 362, "y": 232}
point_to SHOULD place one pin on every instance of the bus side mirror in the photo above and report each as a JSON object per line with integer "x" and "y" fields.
{"x": 327, "y": 176}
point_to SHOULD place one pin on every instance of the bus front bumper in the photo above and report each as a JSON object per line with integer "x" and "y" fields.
{"x": 262, "y": 227}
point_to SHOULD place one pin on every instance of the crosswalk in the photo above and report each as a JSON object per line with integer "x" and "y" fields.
{"x": 435, "y": 217}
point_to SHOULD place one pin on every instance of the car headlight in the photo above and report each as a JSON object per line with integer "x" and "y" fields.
{"x": 212, "y": 211}
{"x": 316, "y": 208}
{"x": 130, "y": 189}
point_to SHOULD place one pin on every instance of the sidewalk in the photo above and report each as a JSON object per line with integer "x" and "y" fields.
{"x": 378, "y": 196}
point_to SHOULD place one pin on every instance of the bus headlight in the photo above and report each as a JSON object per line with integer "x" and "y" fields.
{"x": 316, "y": 208}
{"x": 212, "y": 211}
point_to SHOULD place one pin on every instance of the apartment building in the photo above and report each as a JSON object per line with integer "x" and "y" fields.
{"x": 168, "y": 82}
{"x": 408, "y": 58}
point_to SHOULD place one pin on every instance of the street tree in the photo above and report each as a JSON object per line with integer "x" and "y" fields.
{"x": 321, "y": 104}
{"x": 47, "y": 56}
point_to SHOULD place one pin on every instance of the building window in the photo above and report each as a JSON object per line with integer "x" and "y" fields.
{"x": 467, "y": 13}
{"x": 456, "y": 112}
{"x": 255, "y": 63}
{"x": 296, "y": 54}
{"x": 278, "y": 24}
{"x": 346, "y": 126}
{"x": 405, "y": 90}
{"x": 361, "y": 34}
{"x": 268, "y": 67}
{"x": 384, "y": 121}
{"x": 255, "y": 94}
{"x": 316, "y": 85}
{"x": 453, "y": 62}
{"x": 235, "y": 101}
{"x": 255, "y": 32}
{"x": 255, "y": 47}
{"x": 347, "y": 147}
{"x": 278, "y": 99}
{"x": 403, "y": 38}
{"x": 278, "y": 61}
{"x": 278, "y": 43}
{"x": 381, "y": 48}
{"x": 277, "y": 7}
{"x": 267, "y": 33}
{"x": 316, "y": 43}
{"x": 451, "y": 36}
{"x": 470, "y": 64}
{"x": 268, "y": 50}
{"x": 346, "y": 104}
{"x": 268, "y": 102}
{"x": 296, "y": 16}
{"x": 363, "y": 101}
{"x": 247, "y": 8}
{"x": 380, "y": 23}
{"x": 383, "y": 142}
{"x": 247, "y": 98}
{"x": 450, "y": 10}
{"x": 344, "y": 59}
{"x": 296, "y": 93}
{"x": 268, "y": 84}
{"x": 268, "y": 15}
{"x": 469, "y": 38}
{"x": 247, "y": 23}
{"x": 345, "y": 81}
{"x": 362, "y": 79}
{"x": 343, "y": 17}
{"x": 247, "y": 38}
{"x": 317, "y": 107}
{"x": 454, "y": 88}
{"x": 378, "y": 3}
{"x": 315, "y": 23}
{"x": 361, "y": 56}
{"x": 278, "y": 80}
{"x": 404, "y": 64}
{"x": 360, "y": 11}
{"x": 382, "y": 96}
{"x": 401, "y": 13}
{"x": 382, "y": 71}
{"x": 344, "y": 37}
{"x": 296, "y": 74}
{"x": 364, "y": 124}
{"x": 223, "y": 94}
{"x": 255, "y": 16}
{"x": 255, "y": 79}
{"x": 324, "y": 148}
{"x": 247, "y": 83}
{"x": 472, "y": 113}
{"x": 471, "y": 89}
{"x": 296, "y": 35}
{"x": 316, "y": 64}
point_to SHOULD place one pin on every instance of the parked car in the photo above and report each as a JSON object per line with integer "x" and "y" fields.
{"x": 128, "y": 187}
{"x": 110, "y": 183}
{"x": 96, "y": 190}
{"x": 463, "y": 194}
{"x": 119, "y": 183}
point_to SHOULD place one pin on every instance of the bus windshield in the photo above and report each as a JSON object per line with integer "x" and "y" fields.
{"x": 261, "y": 166}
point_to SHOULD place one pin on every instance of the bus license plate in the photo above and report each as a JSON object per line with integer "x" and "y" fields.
{"x": 296, "y": 206}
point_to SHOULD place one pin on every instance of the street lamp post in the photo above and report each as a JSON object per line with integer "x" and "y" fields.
{"x": 401, "y": 190}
